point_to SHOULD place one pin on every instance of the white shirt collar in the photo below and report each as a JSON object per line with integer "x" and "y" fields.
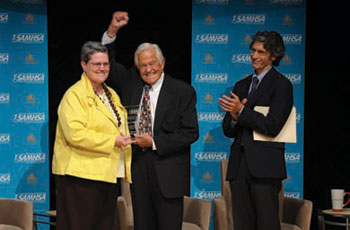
{"x": 262, "y": 75}
{"x": 156, "y": 86}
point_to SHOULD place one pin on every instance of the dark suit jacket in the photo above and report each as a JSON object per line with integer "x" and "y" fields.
{"x": 264, "y": 159}
{"x": 175, "y": 125}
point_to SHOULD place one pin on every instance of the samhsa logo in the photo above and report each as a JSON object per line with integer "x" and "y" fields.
{"x": 28, "y": 1}
{"x": 32, "y": 179}
{"x": 5, "y": 138}
{"x": 212, "y": 38}
{"x": 31, "y": 140}
{"x": 29, "y": 78}
{"x": 208, "y": 59}
{"x": 292, "y": 195}
{"x": 210, "y": 156}
{"x": 298, "y": 117}
{"x": 292, "y": 158}
{"x": 207, "y": 178}
{"x": 39, "y": 197}
{"x": 29, "y": 19}
{"x": 29, "y": 158}
{"x": 214, "y": 2}
{"x": 4, "y": 98}
{"x": 286, "y": 2}
{"x": 5, "y": 178}
{"x": 4, "y": 58}
{"x": 4, "y": 17}
{"x": 287, "y": 60}
{"x": 241, "y": 58}
{"x": 28, "y": 38}
{"x": 30, "y": 99}
{"x": 295, "y": 78}
{"x": 292, "y": 39}
{"x": 207, "y": 99}
{"x": 209, "y": 20}
{"x": 208, "y": 139}
{"x": 211, "y": 117}
{"x": 29, "y": 59}
{"x": 29, "y": 117}
{"x": 249, "y": 19}
{"x": 211, "y": 77}
{"x": 207, "y": 195}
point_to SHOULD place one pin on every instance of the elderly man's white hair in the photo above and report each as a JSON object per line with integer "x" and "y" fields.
{"x": 146, "y": 46}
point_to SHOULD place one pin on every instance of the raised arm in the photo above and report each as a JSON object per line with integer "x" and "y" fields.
{"x": 119, "y": 19}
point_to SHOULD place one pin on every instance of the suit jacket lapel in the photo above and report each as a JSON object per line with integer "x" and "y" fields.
{"x": 245, "y": 88}
{"x": 136, "y": 96}
{"x": 242, "y": 90}
{"x": 162, "y": 104}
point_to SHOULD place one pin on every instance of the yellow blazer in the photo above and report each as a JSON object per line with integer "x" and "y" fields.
{"x": 85, "y": 136}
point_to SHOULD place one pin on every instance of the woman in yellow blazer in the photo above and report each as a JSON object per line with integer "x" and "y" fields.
{"x": 92, "y": 147}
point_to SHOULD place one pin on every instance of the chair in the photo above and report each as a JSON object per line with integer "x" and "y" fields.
{"x": 295, "y": 214}
{"x": 16, "y": 214}
{"x": 222, "y": 205}
{"x": 196, "y": 214}
{"x": 124, "y": 207}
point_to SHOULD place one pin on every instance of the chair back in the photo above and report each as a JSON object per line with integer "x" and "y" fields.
{"x": 226, "y": 191}
{"x": 126, "y": 193}
{"x": 17, "y": 213}
{"x": 196, "y": 213}
{"x": 293, "y": 213}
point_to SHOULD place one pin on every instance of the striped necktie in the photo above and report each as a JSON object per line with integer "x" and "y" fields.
{"x": 254, "y": 87}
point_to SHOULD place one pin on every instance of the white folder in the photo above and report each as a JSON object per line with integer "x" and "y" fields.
{"x": 288, "y": 133}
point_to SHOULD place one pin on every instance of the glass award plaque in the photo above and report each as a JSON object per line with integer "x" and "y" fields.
{"x": 132, "y": 111}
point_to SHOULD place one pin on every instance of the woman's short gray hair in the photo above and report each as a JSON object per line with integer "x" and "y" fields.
{"x": 91, "y": 47}
{"x": 146, "y": 46}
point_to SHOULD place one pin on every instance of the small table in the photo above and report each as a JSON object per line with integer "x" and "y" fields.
{"x": 345, "y": 214}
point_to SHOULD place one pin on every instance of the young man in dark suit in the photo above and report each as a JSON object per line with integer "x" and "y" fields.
{"x": 256, "y": 168}
{"x": 161, "y": 155}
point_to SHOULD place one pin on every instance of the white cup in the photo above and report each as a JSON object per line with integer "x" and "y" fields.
{"x": 338, "y": 199}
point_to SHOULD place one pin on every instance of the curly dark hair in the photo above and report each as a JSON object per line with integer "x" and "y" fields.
{"x": 273, "y": 43}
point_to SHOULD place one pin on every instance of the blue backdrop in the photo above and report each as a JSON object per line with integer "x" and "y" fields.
{"x": 221, "y": 34}
{"x": 24, "y": 150}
